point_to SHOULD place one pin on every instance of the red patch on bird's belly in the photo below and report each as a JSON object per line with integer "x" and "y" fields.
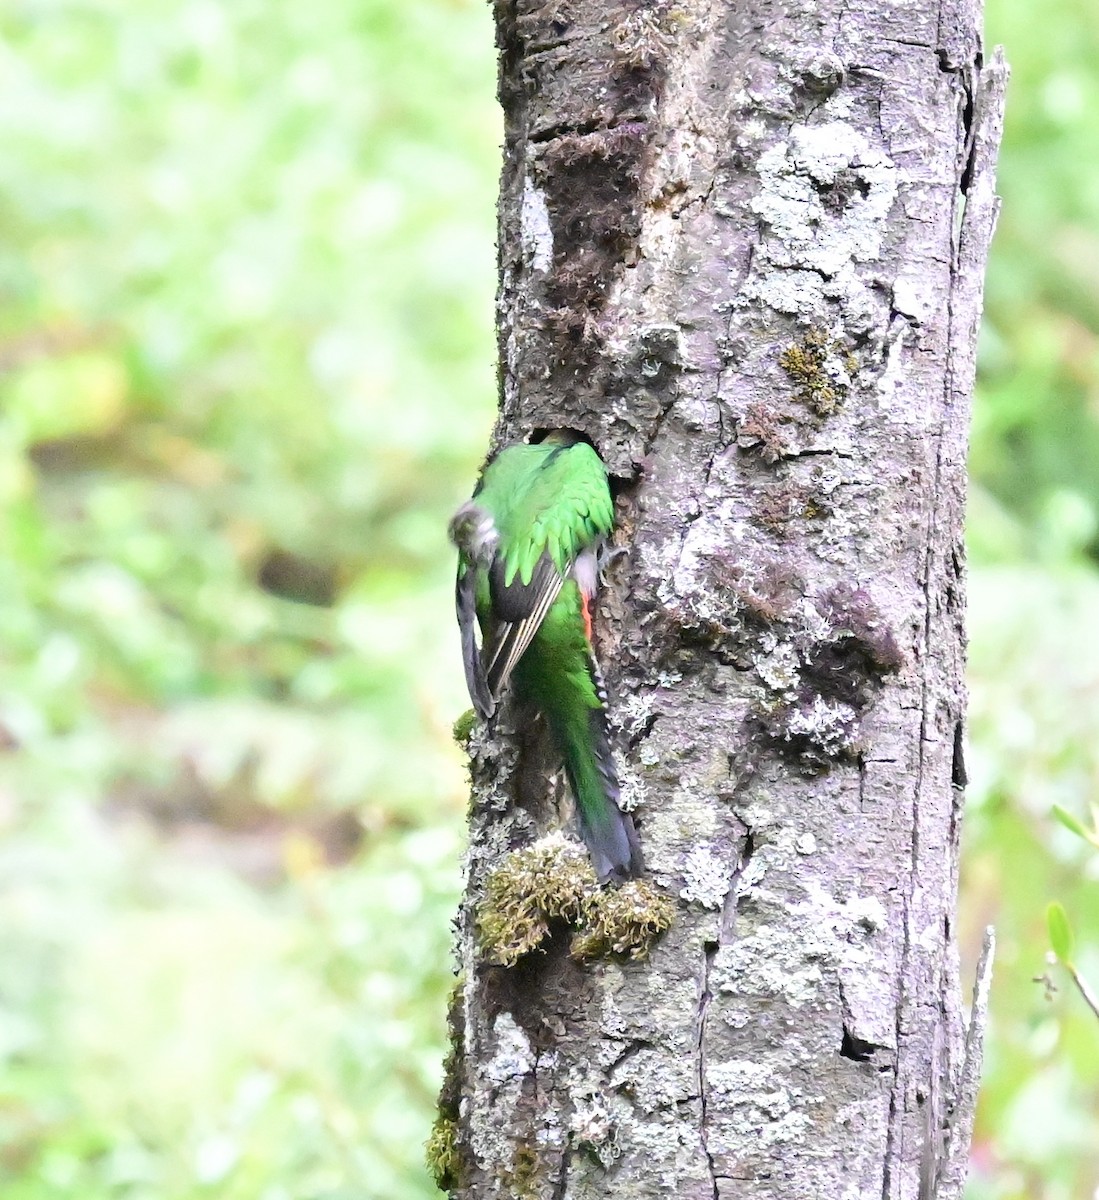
{"x": 585, "y": 608}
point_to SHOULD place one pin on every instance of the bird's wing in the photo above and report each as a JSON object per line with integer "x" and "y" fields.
{"x": 465, "y": 602}
{"x": 551, "y": 504}
{"x": 519, "y": 610}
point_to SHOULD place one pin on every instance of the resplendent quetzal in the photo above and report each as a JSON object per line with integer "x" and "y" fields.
{"x": 528, "y": 568}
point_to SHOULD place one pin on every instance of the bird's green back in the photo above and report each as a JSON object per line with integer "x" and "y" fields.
{"x": 546, "y": 497}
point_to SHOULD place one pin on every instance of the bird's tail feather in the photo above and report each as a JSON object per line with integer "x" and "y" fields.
{"x": 607, "y": 831}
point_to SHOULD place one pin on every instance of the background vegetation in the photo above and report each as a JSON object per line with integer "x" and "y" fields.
{"x": 246, "y": 274}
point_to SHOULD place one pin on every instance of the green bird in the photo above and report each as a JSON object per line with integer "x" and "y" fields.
{"x": 528, "y": 567}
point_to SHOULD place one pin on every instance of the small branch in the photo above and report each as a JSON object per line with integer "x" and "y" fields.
{"x": 1083, "y": 987}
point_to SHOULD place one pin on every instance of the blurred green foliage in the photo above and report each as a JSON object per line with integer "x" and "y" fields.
{"x": 1034, "y": 595}
{"x": 1036, "y": 426}
{"x": 246, "y": 276}
{"x": 246, "y": 279}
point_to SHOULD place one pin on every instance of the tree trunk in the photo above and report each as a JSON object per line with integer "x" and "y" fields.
{"x": 742, "y": 245}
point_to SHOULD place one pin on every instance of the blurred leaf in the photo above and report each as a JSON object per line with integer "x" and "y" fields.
{"x": 1060, "y": 932}
{"x": 1074, "y": 825}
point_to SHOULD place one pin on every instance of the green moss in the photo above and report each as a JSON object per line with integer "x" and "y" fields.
{"x": 553, "y": 882}
{"x": 441, "y": 1150}
{"x": 821, "y": 368}
{"x": 442, "y": 1155}
{"x": 454, "y": 1018}
{"x": 450, "y": 1094}
{"x": 523, "y": 1179}
{"x": 464, "y": 726}
{"x": 623, "y": 921}
{"x": 532, "y": 888}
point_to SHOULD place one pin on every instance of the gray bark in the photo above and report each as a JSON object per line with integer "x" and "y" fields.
{"x": 742, "y": 248}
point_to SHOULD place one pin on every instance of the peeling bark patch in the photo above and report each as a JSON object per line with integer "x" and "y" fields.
{"x": 765, "y": 430}
{"x": 857, "y": 620}
{"x": 820, "y": 74}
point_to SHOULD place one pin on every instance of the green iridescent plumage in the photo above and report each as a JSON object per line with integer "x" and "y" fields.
{"x": 550, "y": 498}
{"x": 527, "y": 573}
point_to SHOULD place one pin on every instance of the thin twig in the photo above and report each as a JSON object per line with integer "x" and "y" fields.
{"x": 1090, "y": 998}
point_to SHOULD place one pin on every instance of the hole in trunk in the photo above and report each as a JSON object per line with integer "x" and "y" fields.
{"x": 855, "y": 1048}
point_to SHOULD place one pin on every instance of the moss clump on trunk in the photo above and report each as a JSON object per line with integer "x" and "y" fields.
{"x": 552, "y": 883}
{"x": 441, "y": 1153}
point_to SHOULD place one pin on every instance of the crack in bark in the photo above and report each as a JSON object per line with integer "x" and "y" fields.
{"x": 560, "y": 1187}
{"x": 631, "y": 1051}
{"x": 819, "y": 452}
{"x": 915, "y": 43}
{"x": 706, "y": 996}
{"x": 540, "y": 47}
{"x": 566, "y": 129}
{"x": 896, "y": 1093}
{"x": 726, "y": 932}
